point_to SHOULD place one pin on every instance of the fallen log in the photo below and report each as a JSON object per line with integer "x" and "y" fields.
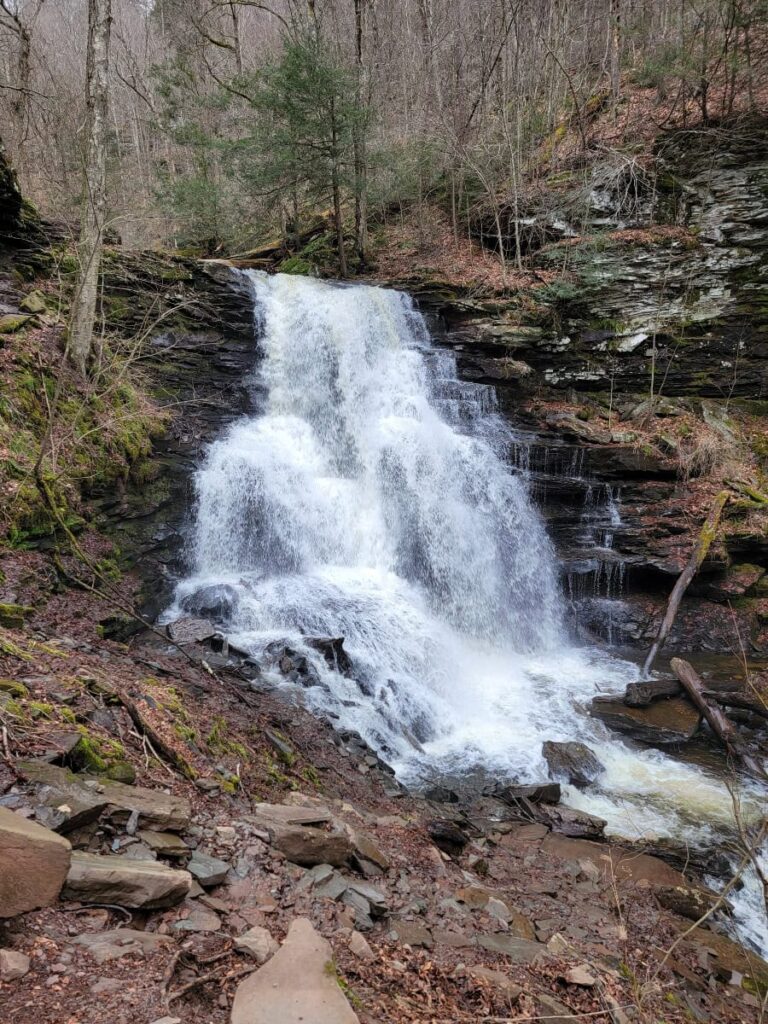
{"x": 707, "y": 534}
{"x": 715, "y": 716}
{"x": 640, "y": 695}
{"x": 738, "y": 699}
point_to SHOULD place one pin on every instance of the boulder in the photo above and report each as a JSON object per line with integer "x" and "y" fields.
{"x": 615, "y": 862}
{"x": 33, "y": 302}
{"x": 310, "y": 846}
{"x": 519, "y": 951}
{"x": 217, "y": 602}
{"x": 33, "y": 864}
{"x": 147, "y": 884}
{"x": 571, "y": 762}
{"x": 332, "y": 650}
{"x": 88, "y": 796}
{"x": 664, "y": 721}
{"x": 119, "y": 942}
{"x": 447, "y": 836}
{"x": 567, "y": 821}
{"x": 297, "y": 985}
{"x": 538, "y": 793}
{"x": 190, "y": 630}
{"x": 290, "y": 814}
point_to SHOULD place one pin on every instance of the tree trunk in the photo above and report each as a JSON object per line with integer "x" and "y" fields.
{"x": 95, "y": 200}
{"x": 716, "y": 718}
{"x": 336, "y": 188}
{"x": 615, "y": 50}
{"x": 699, "y": 553}
{"x": 361, "y": 211}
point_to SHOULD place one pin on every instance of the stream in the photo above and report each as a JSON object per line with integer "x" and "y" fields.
{"x": 378, "y": 498}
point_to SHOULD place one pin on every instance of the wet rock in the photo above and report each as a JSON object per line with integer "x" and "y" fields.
{"x": 272, "y": 994}
{"x": 567, "y": 821}
{"x": 540, "y": 793}
{"x": 93, "y": 878}
{"x": 13, "y": 965}
{"x": 119, "y": 942}
{"x": 88, "y": 796}
{"x": 217, "y": 602}
{"x": 571, "y": 762}
{"x": 33, "y": 864}
{"x": 208, "y": 871}
{"x": 667, "y": 721}
{"x": 190, "y": 630}
{"x": 441, "y": 795}
{"x": 447, "y": 836}
{"x": 332, "y": 649}
{"x": 411, "y": 933}
{"x": 258, "y": 944}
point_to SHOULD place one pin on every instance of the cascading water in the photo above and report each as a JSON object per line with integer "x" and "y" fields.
{"x": 372, "y": 498}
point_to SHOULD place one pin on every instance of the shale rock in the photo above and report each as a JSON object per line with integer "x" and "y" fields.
{"x": 13, "y": 965}
{"x": 539, "y": 793}
{"x": 119, "y": 942}
{"x": 207, "y": 870}
{"x": 571, "y": 762}
{"x": 667, "y": 721}
{"x": 217, "y": 602}
{"x": 447, "y": 836}
{"x": 33, "y": 864}
{"x": 296, "y": 986}
{"x": 128, "y": 883}
{"x": 88, "y": 796}
{"x": 258, "y": 944}
{"x": 190, "y": 630}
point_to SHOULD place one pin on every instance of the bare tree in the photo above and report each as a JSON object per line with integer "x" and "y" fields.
{"x": 80, "y": 340}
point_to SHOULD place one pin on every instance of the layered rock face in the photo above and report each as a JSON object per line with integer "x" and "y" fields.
{"x": 662, "y": 290}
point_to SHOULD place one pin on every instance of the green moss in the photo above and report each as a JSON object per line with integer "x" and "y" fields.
{"x": 185, "y": 732}
{"x": 67, "y": 715}
{"x": 295, "y": 265}
{"x": 121, "y": 771}
{"x": 39, "y": 709}
{"x": 14, "y": 688}
{"x": 13, "y": 322}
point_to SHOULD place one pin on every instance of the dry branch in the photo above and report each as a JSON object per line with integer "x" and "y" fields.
{"x": 707, "y": 534}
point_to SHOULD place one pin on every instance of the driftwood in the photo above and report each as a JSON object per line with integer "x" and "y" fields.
{"x": 718, "y": 721}
{"x": 706, "y": 536}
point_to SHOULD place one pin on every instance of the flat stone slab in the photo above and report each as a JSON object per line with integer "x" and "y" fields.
{"x": 287, "y": 814}
{"x": 156, "y": 810}
{"x": 297, "y": 985}
{"x": 128, "y": 883}
{"x": 665, "y": 721}
{"x": 119, "y": 942}
{"x": 34, "y": 862}
{"x": 615, "y": 862}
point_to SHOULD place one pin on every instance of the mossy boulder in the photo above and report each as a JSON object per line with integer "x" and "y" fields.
{"x": 34, "y": 302}
{"x": 12, "y": 687}
{"x": 13, "y": 322}
{"x": 121, "y": 771}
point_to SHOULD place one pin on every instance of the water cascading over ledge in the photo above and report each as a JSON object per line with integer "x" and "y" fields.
{"x": 375, "y": 497}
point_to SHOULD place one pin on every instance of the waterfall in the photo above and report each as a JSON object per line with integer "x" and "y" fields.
{"x": 377, "y": 498}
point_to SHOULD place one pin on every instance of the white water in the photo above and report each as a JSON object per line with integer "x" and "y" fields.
{"x": 373, "y": 499}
